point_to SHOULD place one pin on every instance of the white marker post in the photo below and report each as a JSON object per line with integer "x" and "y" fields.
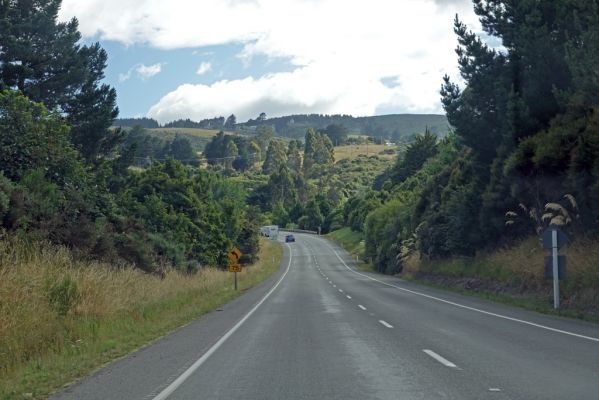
{"x": 554, "y": 251}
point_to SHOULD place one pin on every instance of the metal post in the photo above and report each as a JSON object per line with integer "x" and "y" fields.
{"x": 554, "y": 251}
{"x": 235, "y": 280}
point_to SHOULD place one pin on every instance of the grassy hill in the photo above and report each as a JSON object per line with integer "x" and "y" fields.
{"x": 194, "y": 132}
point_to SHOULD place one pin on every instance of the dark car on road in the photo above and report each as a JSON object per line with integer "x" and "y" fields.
{"x": 289, "y": 238}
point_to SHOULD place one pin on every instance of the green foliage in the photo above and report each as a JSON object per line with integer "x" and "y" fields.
{"x": 44, "y": 60}
{"x": 318, "y": 154}
{"x": 6, "y": 189}
{"x": 423, "y": 147}
{"x": 276, "y": 157}
{"x": 382, "y": 228}
{"x": 32, "y": 138}
{"x": 337, "y": 133}
{"x": 231, "y": 152}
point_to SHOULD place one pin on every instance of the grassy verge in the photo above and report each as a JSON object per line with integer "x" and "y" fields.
{"x": 515, "y": 276}
{"x": 353, "y": 243}
{"x": 60, "y": 319}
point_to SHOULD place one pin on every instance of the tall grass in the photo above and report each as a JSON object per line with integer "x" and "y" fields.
{"x": 521, "y": 270}
{"x": 60, "y": 318}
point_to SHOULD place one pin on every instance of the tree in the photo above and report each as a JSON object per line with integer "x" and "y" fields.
{"x": 264, "y": 134}
{"x": 180, "y": 149}
{"x": 275, "y": 157}
{"x": 310, "y": 145}
{"x": 43, "y": 59}
{"x": 231, "y": 154}
{"x": 423, "y": 148}
{"x": 294, "y": 158}
{"x": 32, "y": 138}
{"x": 230, "y": 122}
{"x": 337, "y": 133}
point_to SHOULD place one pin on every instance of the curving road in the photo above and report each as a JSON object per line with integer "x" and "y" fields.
{"x": 320, "y": 329}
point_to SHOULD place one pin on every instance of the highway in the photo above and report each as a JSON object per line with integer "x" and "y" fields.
{"x": 321, "y": 329}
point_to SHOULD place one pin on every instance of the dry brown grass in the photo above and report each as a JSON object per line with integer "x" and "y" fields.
{"x": 49, "y": 336}
{"x": 521, "y": 267}
{"x": 354, "y": 150}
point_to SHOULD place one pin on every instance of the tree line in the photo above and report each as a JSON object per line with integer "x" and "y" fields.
{"x": 65, "y": 174}
{"x": 524, "y": 152}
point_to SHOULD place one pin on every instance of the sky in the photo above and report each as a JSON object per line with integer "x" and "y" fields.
{"x": 171, "y": 59}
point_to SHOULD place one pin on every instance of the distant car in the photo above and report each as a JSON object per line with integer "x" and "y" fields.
{"x": 289, "y": 238}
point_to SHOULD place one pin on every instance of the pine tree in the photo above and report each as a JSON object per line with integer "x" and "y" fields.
{"x": 43, "y": 59}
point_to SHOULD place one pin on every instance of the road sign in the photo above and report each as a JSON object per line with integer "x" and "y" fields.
{"x": 561, "y": 265}
{"x": 234, "y": 254}
{"x": 562, "y": 238}
{"x": 234, "y": 268}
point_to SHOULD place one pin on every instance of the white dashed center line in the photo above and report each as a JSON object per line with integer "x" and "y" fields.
{"x": 362, "y": 307}
{"x": 385, "y": 324}
{"x": 442, "y": 360}
{"x": 348, "y": 296}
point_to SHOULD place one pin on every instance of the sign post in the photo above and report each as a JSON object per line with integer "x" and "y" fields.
{"x": 553, "y": 239}
{"x": 233, "y": 255}
{"x": 554, "y": 251}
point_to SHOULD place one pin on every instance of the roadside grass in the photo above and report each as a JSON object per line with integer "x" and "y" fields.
{"x": 354, "y": 150}
{"x": 61, "y": 319}
{"x": 515, "y": 276}
{"x": 353, "y": 243}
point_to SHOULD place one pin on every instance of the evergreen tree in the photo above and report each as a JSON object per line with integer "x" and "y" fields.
{"x": 310, "y": 145}
{"x": 294, "y": 158}
{"x": 43, "y": 59}
{"x": 275, "y": 157}
{"x": 231, "y": 122}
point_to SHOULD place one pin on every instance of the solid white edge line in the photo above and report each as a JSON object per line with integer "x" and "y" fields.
{"x": 362, "y": 307}
{"x": 385, "y": 324}
{"x": 442, "y": 360}
{"x": 177, "y": 382}
{"x": 468, "y": 307}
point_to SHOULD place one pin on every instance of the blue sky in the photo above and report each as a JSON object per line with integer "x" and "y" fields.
{"x": 177, "y": 66}
{"x": 205, "y": 58}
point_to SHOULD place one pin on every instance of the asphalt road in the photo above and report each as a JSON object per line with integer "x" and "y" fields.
{"x": 320, "y": 329}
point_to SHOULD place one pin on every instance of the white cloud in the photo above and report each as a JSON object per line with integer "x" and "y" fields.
{"x": 340, "y": 49}
{"x": 203, "y": 68}
{"x": 143, "y": 71}
{"x": 148, "y": 71}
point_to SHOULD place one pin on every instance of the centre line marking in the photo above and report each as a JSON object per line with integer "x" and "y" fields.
{"x": 442, "y": 360}
{"x": 362, "y": 307}
{"x": 478, "y": 310}
{"x": 385, "y": 324}
{"x": 340, "y": 291}
{"x": 348, "y": 296}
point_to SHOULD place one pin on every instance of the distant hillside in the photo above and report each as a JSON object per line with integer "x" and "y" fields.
{"x": 394, "y": 126}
